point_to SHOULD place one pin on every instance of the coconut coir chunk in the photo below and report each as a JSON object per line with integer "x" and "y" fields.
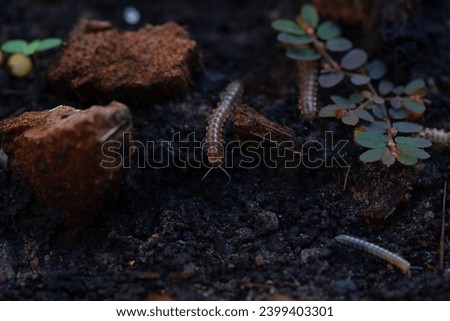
{"x": 101, "y": 62}
{"x": 60, "y": 153}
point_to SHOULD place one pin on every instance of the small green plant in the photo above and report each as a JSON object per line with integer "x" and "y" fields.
{"x": 381, "y": 112}
{"x": 19, "y": 64}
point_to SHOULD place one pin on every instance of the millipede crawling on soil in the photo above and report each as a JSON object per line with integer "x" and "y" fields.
{"x": 307, "y": 99}
{"x": 375, "y": 250}
{"x": 213, "y": 141}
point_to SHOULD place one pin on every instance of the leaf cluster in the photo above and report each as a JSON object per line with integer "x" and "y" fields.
{"x": 29, "y": 48}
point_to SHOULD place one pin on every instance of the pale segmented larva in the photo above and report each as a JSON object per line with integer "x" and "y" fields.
{"x": 307, "y": 99}
{"x": 375, "y": 250}
{"x": 439, "y": 137}
{"x": 214, "y": 148}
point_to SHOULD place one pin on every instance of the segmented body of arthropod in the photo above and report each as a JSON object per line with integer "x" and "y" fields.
{"x": 213, "y": 141}
{"x": 375, "y": 250}
{"x": 438, "y": 137}
{"x": 307, "y": 99}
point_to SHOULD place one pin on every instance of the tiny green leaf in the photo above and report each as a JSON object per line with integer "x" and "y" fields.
{"x": 356, "y": 98}
{"x": 351, "y": 118}
{"x": 14, "y": 46}
{"x": 372, "y": 139}
{"x": 387, "y": 158}
{"x": 354, "y": 59}
{"x": 378, "y": 100}
{"x": 406, "y": 158}
{"x": 407, "y": 127}
{"x": 413, "y": 141}
{"x": 329, "y": 111}
{"x": 360, "y": 80}
{"x": 343, "y": 102}
{"x": 310, "y": 15}
{"x": 398, "y": 113}
{"x": 330, "y": 79}
{"x": 385, "y": 87}
{"x": 373, "y": 155}
{"x": 396, "y": 103}
{"x": 293, "y": 39}
{"x": 376, "y": 69}
{"x": 418, "y": 152}
{"x": 328, "y": 30}
{"x": 414, "y": 86}
{"x": 376, "y": 126}
{"x": 303, "y": 54}
{"x": 364, "y": 115}
{"x": 398, "y": 90}
{"x": 413, "y": 106}
{"x": 49, "y": 43}
{"x": 339, "y": 44}
{"x": 379, "y": 111}
{"x": 287, "y": 26}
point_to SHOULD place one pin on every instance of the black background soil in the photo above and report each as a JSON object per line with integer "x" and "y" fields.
{"x": 271, "y": 231}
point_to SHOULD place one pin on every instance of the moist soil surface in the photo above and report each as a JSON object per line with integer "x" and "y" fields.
{"x": 269, "y": 233}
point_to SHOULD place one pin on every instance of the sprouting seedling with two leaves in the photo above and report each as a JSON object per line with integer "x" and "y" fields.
{"x": 19, "y": 62}
{"x": 381, "y": 112}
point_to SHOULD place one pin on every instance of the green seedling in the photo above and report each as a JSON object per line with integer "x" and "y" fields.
{"x": 19, "y": 63}
{"x": 382, "y": 113}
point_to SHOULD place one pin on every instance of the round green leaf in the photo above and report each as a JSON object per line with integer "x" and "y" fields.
{"x": 407, "y": 127}
{"x": 417, "y": 152}
{"x": 372, "y": 139}
{"x": 354, "y": 59}
{"x": 310, "y": 15}
{"x": 376, "y": 69}
{"x": 356, "y": 98}
{"x": 14, "y": 46}
{"x": 387, "y": 158}
{"x": 303, "y": 54}
{"x": 413, "y": 141}
{"x": 406, "y": 158}
{"x": 330, "y": 79}
{"x": 385, "y": 87}
{"x": 287, "y": 26}
{"x": 339, "y": 44}
{"x": 413, "y": 106}
{"x": 396, "y": 103}
{"x": 376, "y": 126}
{"x": 351, "y": 118}
{"x": 414, "y": 86}
{"x": 379, "y": 111}
{"x": 365, "y": 115}
{"x": 360, "y": 80}
{"x": 398, "y": 90}
{"x": 398, "y": 113}
{"x": 293, "y": 39}
{"x": 329, "y": 111}
{"x": 343, "y": 102}
{"x": 373, "y": 155}
{"x": 49, "y": 43}
{"x": 328, "y": 30}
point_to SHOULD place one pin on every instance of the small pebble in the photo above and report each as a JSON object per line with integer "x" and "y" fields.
{"x": 131, "y": 15}
{"x": 266, "y": 222}
{"x": 428, "y": 216}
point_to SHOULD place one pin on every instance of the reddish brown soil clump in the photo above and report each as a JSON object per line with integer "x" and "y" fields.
{"x": 59, "y": 152}
{"x": 99, "y": 61}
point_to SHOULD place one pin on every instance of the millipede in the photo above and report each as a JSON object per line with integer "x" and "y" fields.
{"x": 439, "y": 137}
{"x": 213, "y": 143}
{"x": 307, "y": 99}
{"x": 375, "y": 250}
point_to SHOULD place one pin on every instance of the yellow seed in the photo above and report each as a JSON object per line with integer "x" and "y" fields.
{"x": 19, "y": 65}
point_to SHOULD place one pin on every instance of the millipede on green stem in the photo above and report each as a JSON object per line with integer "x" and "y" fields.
{"x": 375, "y": 250}
{"x": 307, "y": 99}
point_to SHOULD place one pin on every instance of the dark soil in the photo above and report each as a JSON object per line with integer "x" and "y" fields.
{"x": 271, "y": 230}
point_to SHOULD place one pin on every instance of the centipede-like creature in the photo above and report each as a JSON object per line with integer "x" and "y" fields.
{"x": 216, "y": 121}
{"x": 439, "y": 137}
{"x": 375, "y": 250}
{"x": 307, "y": 99}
